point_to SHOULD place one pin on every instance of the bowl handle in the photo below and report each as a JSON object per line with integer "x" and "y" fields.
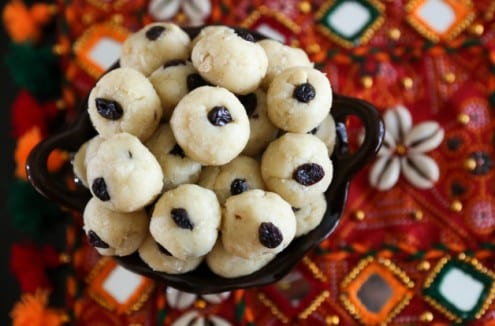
{"x": 46, "y": 183}
{"x": 343, "y": 107}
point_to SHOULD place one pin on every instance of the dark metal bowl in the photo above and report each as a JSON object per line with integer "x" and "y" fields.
{"x": 202, "y": 280}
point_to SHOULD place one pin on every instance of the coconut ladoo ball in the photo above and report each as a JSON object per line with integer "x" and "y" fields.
{"x": 160, "y": 260}
{"x": 309, "y": 216}
{"x": 256, "y": 223}
{"x": 326, "y": 132}
{"x": 209, "y": 30}
{"x": 83, "y": 155}
{"x": 297, "y": 167}
{"x": 177, "y": 168}
{"x": 153, "y": 45}
{"x": 124, "y": 100}
{"x": 281, "y": 57}
{"x": 172, "y": 81}
{"x": 299, "y": 99}
{"x": 225, "y": 264}
{"x": 124, "y": 175}
{"x": 230, "y": 60}
{"x": 186, "y": 220}
{"x": 113, "y": 233}
{"x": 262, "y": 130}
{"x": 239, "y": 175}
{"x": 210, "y": 125}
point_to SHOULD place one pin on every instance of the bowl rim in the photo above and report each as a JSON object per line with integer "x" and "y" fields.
{"x": 202, "y": 280}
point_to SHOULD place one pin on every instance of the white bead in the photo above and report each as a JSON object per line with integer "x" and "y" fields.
{"x": 398, "y": 122}
{"x": 420, "y": 170}
{"x": 163, "y": 9}
{"x": 385, "y": 172}
{"x": 179, "y": 299}
{"x": 424, "y": 137}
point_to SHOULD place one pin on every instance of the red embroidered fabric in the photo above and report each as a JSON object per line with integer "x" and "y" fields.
{"x": 397, "y": 253}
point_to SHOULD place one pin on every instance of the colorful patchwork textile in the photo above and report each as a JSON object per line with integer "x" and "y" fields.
{"x": 415, "y": 244}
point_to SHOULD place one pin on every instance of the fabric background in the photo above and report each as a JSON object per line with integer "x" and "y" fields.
{"x": 393, "y": 247}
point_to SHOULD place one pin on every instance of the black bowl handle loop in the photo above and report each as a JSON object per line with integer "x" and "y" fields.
{"x": 348, "y": 162}
{"x": 44, "y": 181}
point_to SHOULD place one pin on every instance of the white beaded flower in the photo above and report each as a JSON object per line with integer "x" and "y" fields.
{"x": 181, "y": 300}
{"x": 196, "y": 318}
{"x": 196, "y": 11}
{"x": 404, "y": 150}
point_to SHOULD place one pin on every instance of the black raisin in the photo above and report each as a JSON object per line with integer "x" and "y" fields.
{"x": 163, "y": 250}
{"x": 219, "y": 116}
{"x": 154, "y": 32}
{"x": 269, "y": 235}
{"x": 109, "y": 109}
{"x": 304, "y": 92}
{"x": 238, "y": 186}
{"x": 245, "y": 35}
{"x": 250, "y": 101}
{"x": 181, "y": 218}
{"x": 174, "y": 62}
{"x": 177, "y": 151}
{"x": 99, "y": 188}
{"x": 194, "y": 81}
{"x": 96, "y": 241}
{"x": 308, "y": 174}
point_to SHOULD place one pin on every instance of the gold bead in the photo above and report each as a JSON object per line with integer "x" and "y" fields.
{"x": 200, "y": 304}
{"x": 463, "y": 118}
{"x": 60, "y": 104}
{"x": 470, "y": 164}
{"x": 295, "y": 43}
{"x": 462, "y": 256}
{"x": 118, "y": 19}
{"x": 394, "y": 34}
{"x": 477, "y": 29}
{"x": 181, "y": 17}
{"x": 367, "y": 81}
{"x": 58, "y": 49}
{"x": 418, "y": 215}
{"x": 456, "y": 206}
{"x": 424, "y": 266}
{"x": 400, "y": 149}
{"x": 359, "y": 215}
{"x": 332, "y": 320}
{"x": 426, "y": 316}
{"x": 87, "y": 18}
{"x": 407, "y": 82}
{"x": 53, "y": 9}
{"x": 64, "y": 258}
{"x": 449, "y": 77}
{"x": 305, "y": 7}
{"x": 65, "y": 318}
{"x": 314, "y": 48}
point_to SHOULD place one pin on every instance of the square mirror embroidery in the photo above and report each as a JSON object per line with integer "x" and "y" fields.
{"x": 375, "y": 291}
{"x": 99, "y": 47}
{"x": 294, "y": 288}
{"x": 350, "y": 23}
{"x": 439, "y": 19}
{"x": 461, "y": 288}
{"x": 106, "y": 288}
